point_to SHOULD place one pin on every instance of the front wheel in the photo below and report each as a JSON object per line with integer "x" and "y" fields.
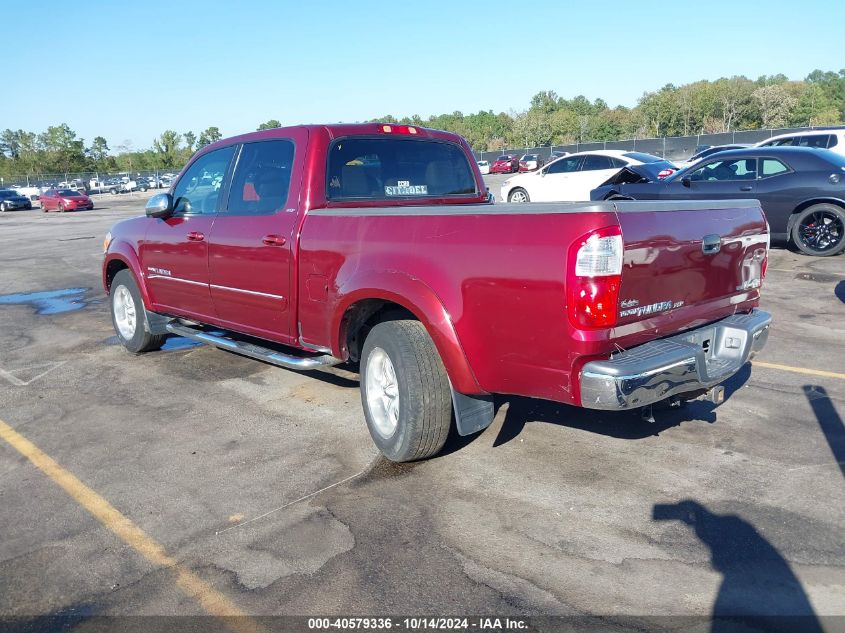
{"x": 820, "y": 230}
{"x": 3, "y": 207}
{"x": 129, "y": 316}
{"x": 518, "y": 195}
{"x": 405, "y": 391}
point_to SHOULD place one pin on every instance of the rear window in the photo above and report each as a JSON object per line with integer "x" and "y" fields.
{"x": 66, "y": 192}
{"x": 387, "y": 168}
{"x": 529, "y": 157}
{"x": 642, "y": 157}
{"x": 815, "y": 140}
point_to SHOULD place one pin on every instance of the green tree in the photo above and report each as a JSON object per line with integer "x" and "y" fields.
{"x": 63, "y": 151}
{"x": 98, "y": 152}
{"x": 775, "y": 105}
{"x": 208, "y": 136}
{"x": 167, "y": 148}
{"x": 269, "y": 125}
{"x": 190, "y": 141}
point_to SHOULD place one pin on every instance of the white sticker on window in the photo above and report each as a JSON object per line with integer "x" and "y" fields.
{"x": 406, "y": 190}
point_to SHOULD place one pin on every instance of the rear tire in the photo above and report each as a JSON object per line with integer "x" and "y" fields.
{"x": 129, "y": 317}
{"x": 518, "y": 194}
{"x": 405, "y": 391}
{"x": 3, "y": 208}
{"x": 819, "y": 230}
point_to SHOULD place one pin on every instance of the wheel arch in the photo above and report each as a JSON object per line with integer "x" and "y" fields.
{"x": 121, "y": 257}
{"x": 397, "y": 296}
{"x": 806, "y": 204}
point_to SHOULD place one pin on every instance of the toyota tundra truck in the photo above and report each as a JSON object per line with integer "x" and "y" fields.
{"x": 379, "y": 246}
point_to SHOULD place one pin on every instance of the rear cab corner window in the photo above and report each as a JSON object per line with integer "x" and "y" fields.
{"x": 375, "y": 168}
{"x": 772, "y": 167}
{"x": 262, "y": 176}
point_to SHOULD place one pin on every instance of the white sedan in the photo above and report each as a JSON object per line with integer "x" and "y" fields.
{"x": 572, "y": 177}
{"x": 484, "y": 166}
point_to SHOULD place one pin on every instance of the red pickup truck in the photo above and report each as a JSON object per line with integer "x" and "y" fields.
{"x": 379, "y": 244}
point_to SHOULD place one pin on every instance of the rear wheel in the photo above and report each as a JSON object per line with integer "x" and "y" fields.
{"x": 3, "y": 207}
{"x": 820, "y": 230}
{"x": 129, "y": 316}
{"x": 518, "y": 195}
{"x": 405, "y": 391}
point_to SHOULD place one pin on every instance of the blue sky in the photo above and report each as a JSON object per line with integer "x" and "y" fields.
{"x": 132, "y": 70}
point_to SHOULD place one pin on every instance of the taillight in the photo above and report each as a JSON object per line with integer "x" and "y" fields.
{"x": 665, "y": 173}
{"x": 594, "y": 277}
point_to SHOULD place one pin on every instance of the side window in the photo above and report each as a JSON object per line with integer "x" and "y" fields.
{"x": 262, "y": 177}
{"x": 783, "y": 142}
{"x": 772, "y": 167}
{"x": 834, "y": 141}
{"x": 198, "y": 190}
{"x": 721, "y": 170}
{"x": 618, "y": 164}
{"x": 815, "y": 140}
{"x": 564, "y": 165}
{"x": 593, "y": 162}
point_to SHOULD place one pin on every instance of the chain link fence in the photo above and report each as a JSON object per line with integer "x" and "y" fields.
{"x": 674, "y": 148}
{"x": 83, "y": 179}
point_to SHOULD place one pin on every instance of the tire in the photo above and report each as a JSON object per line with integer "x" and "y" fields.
{"x": 820, "y": 230}
{"x": 132, "y": 331}
{"x": 3, "y": 207}
{"x": 113, "y": 191}
{"x": 417, "y": 426}
{"x": 60, "y": 208}
{"x": 518, "y": 194}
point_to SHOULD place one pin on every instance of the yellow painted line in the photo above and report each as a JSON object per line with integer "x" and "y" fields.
{"x": 800, "y": 370}
{"x": 211, "y": 600}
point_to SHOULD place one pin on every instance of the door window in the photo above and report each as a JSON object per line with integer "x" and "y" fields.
{"x": 772, "y": 167}
{"x": 593, "y": 162}
{"x": 262, "y": 177}
{"x": 721, "y": 170}
{"x": 564, "y": 165}
{"x": 815, "y": 140}
{"x": 198, "y": 190}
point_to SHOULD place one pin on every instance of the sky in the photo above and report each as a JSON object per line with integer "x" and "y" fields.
{"x": 130, "y": 71}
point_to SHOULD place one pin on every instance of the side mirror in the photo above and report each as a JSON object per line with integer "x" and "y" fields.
{"x": 159, "y": 206}
{"x": 685, "y": 181}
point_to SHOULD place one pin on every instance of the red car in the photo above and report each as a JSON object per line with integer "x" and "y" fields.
{"x": 315, "y": 245}
{"x": 65, "y": 200}
{"x": 506, "y": 164}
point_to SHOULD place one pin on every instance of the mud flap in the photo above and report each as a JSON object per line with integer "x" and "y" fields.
{"x": 472, "y": 413}
{"x": 156, "y": 323}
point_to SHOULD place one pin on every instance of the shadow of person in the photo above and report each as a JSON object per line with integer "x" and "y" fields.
{"x": 839, "y": 291}
{"x": 758, "y": 590}
{"x": 829, "y": 420}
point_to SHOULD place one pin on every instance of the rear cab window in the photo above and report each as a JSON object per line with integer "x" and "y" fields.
{"x": 365, "y": 168}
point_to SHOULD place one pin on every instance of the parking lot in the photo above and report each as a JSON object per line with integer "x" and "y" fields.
{"x": 195, "y": 481}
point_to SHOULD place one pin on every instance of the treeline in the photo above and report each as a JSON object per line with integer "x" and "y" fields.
{"x": 703, "y": 107}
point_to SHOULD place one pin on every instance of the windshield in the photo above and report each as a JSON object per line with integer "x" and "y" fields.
{"x": 529, "y": 157}
{"x": 67, "y": 192}
{"x": 8, "y": 194}
{"x": 385, "y": 168}
{"x": 642, "y": 157}
{"x": 505, "y": 158}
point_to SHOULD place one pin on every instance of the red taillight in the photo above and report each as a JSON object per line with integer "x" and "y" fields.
{"x": 665, "y": 173}
{"x": 398, "y": 129}
{"x": 594, "y": 277}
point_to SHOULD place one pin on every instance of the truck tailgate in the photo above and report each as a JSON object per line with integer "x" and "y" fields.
{"x": 687, "y": 263}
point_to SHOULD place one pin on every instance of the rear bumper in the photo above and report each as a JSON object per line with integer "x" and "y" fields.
{"x": 679, "y": 364}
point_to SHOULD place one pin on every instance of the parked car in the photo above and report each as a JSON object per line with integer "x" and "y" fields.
{"x": 530, "y": 162}
{"x": 484, "y": 166}
{"x": 573, "y": 177}
{"x": 505, "y": 164}
{"x": 556, "y": 155}
{"x": 388, "y": 265}
{"x": 834, "y": 140}
{"x": 111, "y": 185}
{"x": 802, "y": 191}
{"x": 692, "y": 160}
{"x": 31, "y": 192}
{"x": 11, "y": 200}
{"x": 65, "y": 200}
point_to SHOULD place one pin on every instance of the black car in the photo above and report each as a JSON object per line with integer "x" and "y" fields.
{"x": 801, "y": 190}
{"x": 10, "y": 200}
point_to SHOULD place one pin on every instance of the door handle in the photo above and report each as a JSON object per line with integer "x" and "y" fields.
{"x": 195, "y": 236}
{"x": 746, "y": 188}
{"x": 273, "y": 240}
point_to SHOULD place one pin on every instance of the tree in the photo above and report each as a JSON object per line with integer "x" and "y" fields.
{"x": 269, "y": 125}
{"x": 190, "y": 141}
{"x": 64, "y": 152}
{"x": 208, "y": 136}
{"x": 775, "y": 104}
{"x": 99, "y": 151}
{"x": 167, "y": 148}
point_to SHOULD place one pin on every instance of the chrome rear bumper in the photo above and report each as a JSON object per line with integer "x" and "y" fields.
{"x": 688, "y": 362}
